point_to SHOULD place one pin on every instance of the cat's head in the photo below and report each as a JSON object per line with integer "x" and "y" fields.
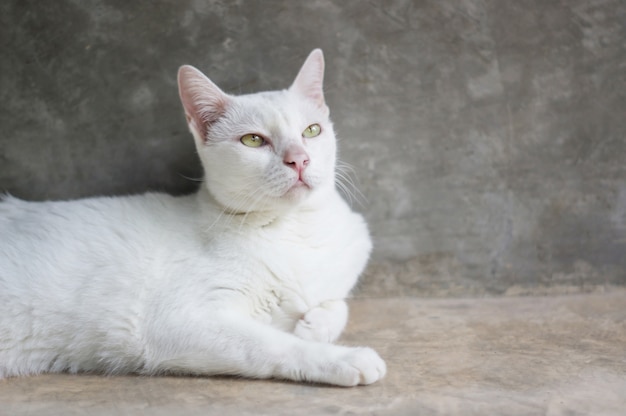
{"x": 263, "y": 151}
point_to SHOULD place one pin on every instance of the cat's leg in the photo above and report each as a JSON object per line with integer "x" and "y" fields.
{"x": 324, "y": 322}
{"x": 237, "y": 345}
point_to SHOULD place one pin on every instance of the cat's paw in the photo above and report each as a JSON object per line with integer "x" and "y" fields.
{"x": 359, "y": 366}
{"x": 323, "y": 323}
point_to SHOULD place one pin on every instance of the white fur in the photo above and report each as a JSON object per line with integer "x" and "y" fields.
{"x": 246, "y": 277}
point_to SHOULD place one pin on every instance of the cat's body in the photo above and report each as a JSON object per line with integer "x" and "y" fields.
{"x": 246, "y": 277}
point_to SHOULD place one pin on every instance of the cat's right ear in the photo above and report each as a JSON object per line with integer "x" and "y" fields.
{"x": 203, "y": 101}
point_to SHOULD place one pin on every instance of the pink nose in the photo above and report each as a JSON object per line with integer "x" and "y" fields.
{"x": 296, "y": 158}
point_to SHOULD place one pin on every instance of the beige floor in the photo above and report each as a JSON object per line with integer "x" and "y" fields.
{"x": 513, "y": 356}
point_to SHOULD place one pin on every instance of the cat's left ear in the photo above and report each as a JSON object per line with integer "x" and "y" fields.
{"x": 310, "y": 80}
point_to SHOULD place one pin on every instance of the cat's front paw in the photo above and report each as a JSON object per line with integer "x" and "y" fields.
{"x": 323, "y": 323}
{"x": 359, "y": 366}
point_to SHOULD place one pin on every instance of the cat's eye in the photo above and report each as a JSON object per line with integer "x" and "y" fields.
{"x": 312, "y": 131}
{"x": 252, "y": 140}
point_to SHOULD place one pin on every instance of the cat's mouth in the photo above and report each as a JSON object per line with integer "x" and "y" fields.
{"x": 299, "y": 183}
{"x": 298, "y": 188}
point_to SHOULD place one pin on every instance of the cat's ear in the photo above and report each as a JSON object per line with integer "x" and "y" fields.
{"x": 204, "y": 102}
{"x": 310, "y": 80}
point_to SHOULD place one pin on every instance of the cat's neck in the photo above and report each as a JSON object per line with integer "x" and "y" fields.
{"x": 214, "y": 216}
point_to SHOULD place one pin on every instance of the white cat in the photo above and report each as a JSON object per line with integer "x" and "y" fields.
{"x": 247, "y": 277}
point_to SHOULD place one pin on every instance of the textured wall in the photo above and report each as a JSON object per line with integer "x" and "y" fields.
{"x": 488, "y": 137}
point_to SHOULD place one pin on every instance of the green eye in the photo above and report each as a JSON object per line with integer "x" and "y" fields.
{"x": 253, "y": 140}
{"x": 312, "y": 131}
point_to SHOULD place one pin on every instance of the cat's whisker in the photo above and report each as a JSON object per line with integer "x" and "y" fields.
{"x": 238, "y": 206}
{"x": 349, "y": 179}
{"x": 224, "y": 216}
{"x": 219, "y": 217}
{"x": 216, "y": 221}
{"x": 242, "y": 205}
{"x": 343, "y": 188}
{"x": 201, "y": 179}
{"x": 251, "y": 209}
{"x": 241, "y": 201}
{"x": 343, "y": 179}
{"x": 349, "y": 187}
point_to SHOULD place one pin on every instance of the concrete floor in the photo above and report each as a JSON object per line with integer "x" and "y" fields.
{"x": 517, "y": 356}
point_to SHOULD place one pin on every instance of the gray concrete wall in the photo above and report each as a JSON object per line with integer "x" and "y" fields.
{"x": 488, "y": 137}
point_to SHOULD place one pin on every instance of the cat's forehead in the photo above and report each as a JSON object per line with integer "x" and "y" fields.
{"x": 276, "y": 111}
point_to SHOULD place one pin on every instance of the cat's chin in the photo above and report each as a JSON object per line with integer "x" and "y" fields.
{"x": 297, "y": 192}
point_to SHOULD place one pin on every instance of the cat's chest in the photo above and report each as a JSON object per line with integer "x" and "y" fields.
{"x": 293, "y": 266}
{"x": 301, "y": 263}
